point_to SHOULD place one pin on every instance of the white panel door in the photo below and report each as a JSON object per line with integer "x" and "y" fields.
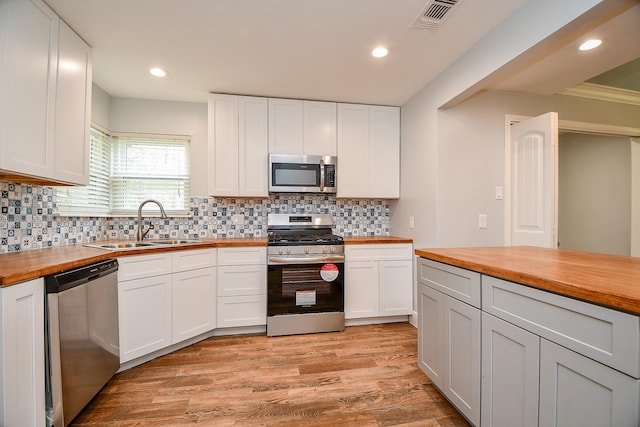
{"x": 396, "y": 287}
{"x": 384, "y": 154}
{"x": 253, "y": 140}
{"x": 194, "y": 303}
{"x": 430, "y": 334}
{"x": 73, "y": 108}
{"x": 361, "y": 289}
{"x": 510, "y": 374}
{"x": 534, "y": 182}
{"x": 320, "y": 128}
{"x": 286, "y": 126}
{"x": 462, "y": 336}
{"x": 576, "y": 391}
{"x": 353, "y": 150}
{"x": 28, "y": 65}
{"x": 223, "y": 145}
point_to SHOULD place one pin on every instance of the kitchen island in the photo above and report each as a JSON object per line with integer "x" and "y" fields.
{"x": 545, "y": 336}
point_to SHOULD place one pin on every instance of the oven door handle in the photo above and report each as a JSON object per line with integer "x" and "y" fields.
{"x": 305, "y": 260}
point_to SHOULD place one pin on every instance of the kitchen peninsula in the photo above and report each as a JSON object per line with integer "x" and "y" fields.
{"x": 547, "y": 336}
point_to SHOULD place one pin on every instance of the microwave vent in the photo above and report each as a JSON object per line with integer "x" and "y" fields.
{"x": 434, "y": 13}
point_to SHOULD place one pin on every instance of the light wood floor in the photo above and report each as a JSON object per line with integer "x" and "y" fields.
{"x": 364, "y": 376}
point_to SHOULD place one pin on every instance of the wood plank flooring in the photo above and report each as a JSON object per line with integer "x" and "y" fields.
{"x": 364, "y": 376}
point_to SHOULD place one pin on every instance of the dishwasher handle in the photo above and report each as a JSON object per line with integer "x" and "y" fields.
{"x": 69, "y": 279}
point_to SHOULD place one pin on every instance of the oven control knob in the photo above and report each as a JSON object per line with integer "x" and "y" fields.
{"x": 306, "y": 250}
{"x": 325, "y": 250}
{"x": 288, "y": 251}
{"x": 279, "y": 251}
{"x": 333, "y": 249}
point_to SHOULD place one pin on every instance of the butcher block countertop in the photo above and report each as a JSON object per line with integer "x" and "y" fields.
{"x": 26, "y": 265}
{"x": 612, "y": 281}
{"x": 17, "y": 267}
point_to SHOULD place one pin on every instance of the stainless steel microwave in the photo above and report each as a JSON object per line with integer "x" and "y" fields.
{"x": 292, "y": 173}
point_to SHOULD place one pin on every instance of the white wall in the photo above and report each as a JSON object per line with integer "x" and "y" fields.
{"x": 100, "y": 107}
{"x": 171, "y": 118}
{"x": 594, "y": 212}
{"x": 451, "y": 160}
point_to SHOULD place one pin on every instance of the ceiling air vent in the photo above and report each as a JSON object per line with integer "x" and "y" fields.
{"x": 433, "y": 13}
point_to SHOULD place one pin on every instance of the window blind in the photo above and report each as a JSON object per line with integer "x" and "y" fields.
{"x": 149, "y": 167}
{"x": 94, "y": 198}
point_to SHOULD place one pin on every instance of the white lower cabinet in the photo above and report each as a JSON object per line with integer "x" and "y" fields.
{"x": 576, "y": 391}
{"x": 164, "y": 299}
{"x": 242, "y": 287}
{"x": 378, "y": 280}
{"x": 144, "y": 311}
{"x": 547, "y": 360}
{"x": 510, "y": 374}
{"x": 449, "y": 348}
{"x": 22, "y": 379}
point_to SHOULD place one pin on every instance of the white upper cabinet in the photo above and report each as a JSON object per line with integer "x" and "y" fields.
{"x": 238, "y": 146}
{"x": 73, "y": 109}
{"x": 368, "y": 151}
{"x": 302, "y": 127}
{"x": 46, "y": 93}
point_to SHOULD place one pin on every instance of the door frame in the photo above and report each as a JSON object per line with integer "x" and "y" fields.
{"x": 579, "y": 127}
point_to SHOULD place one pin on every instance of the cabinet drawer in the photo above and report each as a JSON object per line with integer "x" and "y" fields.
{"x": 608, "y": 336}
{"x": 379, "y": 252}
{"x": 242, "y": 255}
{"x": 139, "y": 266}
{"x": 242, "y": 311}
{"x": 242, "y": 280}
{"x": 461, "y": 284}
{"x": 193, "y": 259}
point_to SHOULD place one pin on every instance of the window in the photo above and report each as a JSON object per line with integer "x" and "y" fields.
{"x": 126, "y": 169}
{"x": 148, "y": 167}
{"x": 93, "y": 199}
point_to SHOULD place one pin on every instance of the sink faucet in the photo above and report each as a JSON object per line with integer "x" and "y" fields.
{"x": 141, "y": 231}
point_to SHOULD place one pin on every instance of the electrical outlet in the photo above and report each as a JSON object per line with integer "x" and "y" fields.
{"x": 238, "y": 219}
{"x": 412, "y": 222}
{"x": 482, "y": 221}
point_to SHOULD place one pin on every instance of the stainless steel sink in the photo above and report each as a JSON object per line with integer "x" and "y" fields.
{"x": 120, "y": 246}
{"x": 142, "y": 245}
{"x": 174, "y": 242}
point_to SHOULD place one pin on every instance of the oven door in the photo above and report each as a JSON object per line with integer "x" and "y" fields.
{"x": 305, "y": 288}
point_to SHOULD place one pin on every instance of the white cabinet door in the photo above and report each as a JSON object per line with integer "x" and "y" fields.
{"x": 223, "y": 145}
{"x": 73, "y": 109}
{"x": 286, "y": 126}
{"x": 193, "y": 303}
{"x": 368, "y": 151}
{"x": 430, "y": 334}
{"x": 462, "y": 336}
{"x": 22, "y": 352}
{"x": 238, "y": 311}
{"x": 144, "y": 311}
{"x": 396, "y": 288}
{"x": 576, "y": 391}
{"x": 320, "y": 128}
{"x": 384, "y": 152}
{"x": 253, "y": 146}
{"x": 361, "y": 297}
{"x": 510, "y": 374}
{"x": 353, "y": 150}
{"x": 28, "y": 65}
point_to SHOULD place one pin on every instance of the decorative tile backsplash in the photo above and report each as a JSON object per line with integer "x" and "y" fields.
{"x": 28, "y": 218}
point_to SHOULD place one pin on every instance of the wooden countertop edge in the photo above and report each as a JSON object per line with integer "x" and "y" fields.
{"x": 21, "y": 266}
{"x": 363, "y": 240}
{"x": 606, "y": 298}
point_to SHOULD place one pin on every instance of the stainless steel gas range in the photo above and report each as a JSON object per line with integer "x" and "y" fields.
{"x": 305, "y": 287}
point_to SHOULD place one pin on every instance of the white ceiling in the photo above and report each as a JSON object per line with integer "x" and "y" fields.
{"x": 314, "y": 49}
{"x": 281, "y": 48}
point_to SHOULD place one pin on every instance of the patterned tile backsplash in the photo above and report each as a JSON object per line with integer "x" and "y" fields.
{"x": 29, "y": 220}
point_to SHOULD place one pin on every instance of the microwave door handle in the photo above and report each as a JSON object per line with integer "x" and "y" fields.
{"x": 321, "y": 175}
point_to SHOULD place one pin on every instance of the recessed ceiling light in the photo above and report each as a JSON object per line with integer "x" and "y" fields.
{"x": 379, "y": 52}
{"x": 158, "y": 72}
{"x": 590, "y": 44}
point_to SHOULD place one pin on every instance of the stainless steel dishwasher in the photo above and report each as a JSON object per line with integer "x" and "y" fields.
{"x": 82, "y": 344}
